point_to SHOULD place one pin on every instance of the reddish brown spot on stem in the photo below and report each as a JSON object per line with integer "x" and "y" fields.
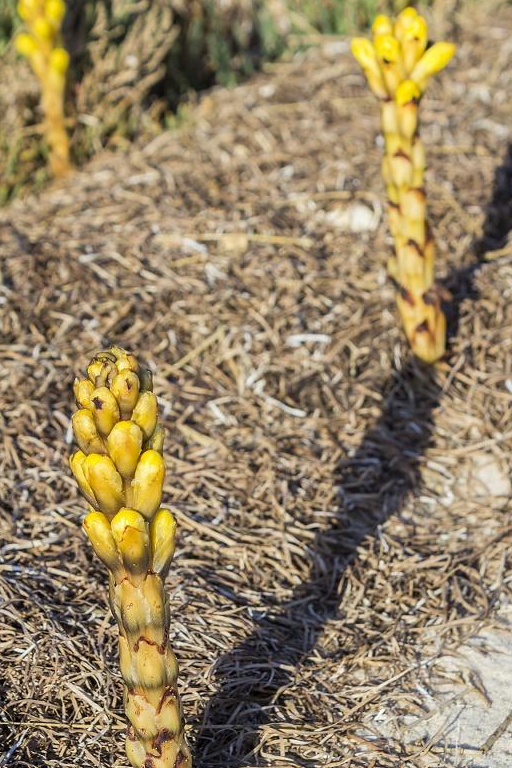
{"x": 181, "y": 759}
{"x": 406, "y": 296}
{"x": 422, "y": 327}
{"x": 163, "y": 736}
{"x": 144, "y": 639}
{"x": 413, "y": 244}
{"x": 169, "y": 693}
{"x": 98, "y": 403}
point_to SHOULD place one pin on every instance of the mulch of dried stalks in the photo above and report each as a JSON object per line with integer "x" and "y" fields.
{"x": 344, "y": 511}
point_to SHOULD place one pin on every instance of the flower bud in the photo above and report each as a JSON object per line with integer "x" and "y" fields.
{"x": 105, "y": 409}
{"x": 382, "y": 25}
{"x": 156, "y": 441}
{"x": 43, "y": 29}
{"x": 404, "y": 21}
{"x": 162, "y": 532}
{"x": 59, "y": 60}
{"x": 145, "y": 413}
{"x": 146, "y": 380}
{"x": 54, "y": 11}
{"x": 129, "y": 530}
{"x": 364, "y": 53}
{"x": 125, "y": 388}
{"x": 105, "y": 481}
{"x": 82, "y": 389}
{"x": 97, "y": 528}
{"x": 76, "y": 463}
{"x": 101, "y": 370}
{"x": 433, "y": 60}
{"x": 387, "y": 48}
{"x": 148, "y": 483}
{"x": 25, "y": 45}
{"x": 407, "y": 91}
{"x": 124, "y": 446}
{"x": 86, "y": 433}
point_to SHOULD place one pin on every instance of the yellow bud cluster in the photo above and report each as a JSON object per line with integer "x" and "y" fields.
{"x": 399, "y": 50}
{"x": 40, "y": 44}
{"x": 120, "y": 470}
{"x": 398, "y": 65}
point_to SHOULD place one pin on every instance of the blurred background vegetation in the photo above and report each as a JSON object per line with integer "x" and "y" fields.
{"x": 134, "y": 63}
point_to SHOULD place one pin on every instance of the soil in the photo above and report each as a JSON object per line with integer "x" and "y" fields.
{"x": 344, "y": 511}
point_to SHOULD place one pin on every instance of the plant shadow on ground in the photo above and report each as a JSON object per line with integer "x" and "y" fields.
{"x": 374, "y": 484}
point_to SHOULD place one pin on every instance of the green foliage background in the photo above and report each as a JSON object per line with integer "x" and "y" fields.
{"x": 134, "y": 62}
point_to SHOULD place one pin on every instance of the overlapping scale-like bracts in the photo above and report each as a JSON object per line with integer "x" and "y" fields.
{"x": 120, "y": 470}
{"x": 398, "y": 65}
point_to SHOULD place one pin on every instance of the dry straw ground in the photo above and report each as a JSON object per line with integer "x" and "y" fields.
{"x": 344, "y": 511}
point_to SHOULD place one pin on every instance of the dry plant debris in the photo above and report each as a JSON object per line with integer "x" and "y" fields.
{"x": 338, "y": 529}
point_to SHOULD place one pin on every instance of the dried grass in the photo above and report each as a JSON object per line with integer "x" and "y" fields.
{"x": 337, "y": 535}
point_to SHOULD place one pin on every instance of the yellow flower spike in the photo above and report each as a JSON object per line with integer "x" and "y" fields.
{"x": 105, "y": 481}
{"x": 82, "y": 390}
{"x": 97, "y": 528}
{"x": 59, "y": 61}
{"x": 365, "y": 55}
{"x": 145, "y": 413}
{"x": 105, "y": 409}
{"x": 125, "y": 388}
{"x": 86, "y": 433}
{"x": 25, "y": 45}
{"x": 148, "y": 483}
{"x": 130, "y": 533}
{"x": 76, "y": 462}
{"x": 382, "y": 25}
{"x": 433, "y": 60}
{"x": 163, "y": 540}
{"x": 135, "y": 538}
{"x": 124, "y": 445}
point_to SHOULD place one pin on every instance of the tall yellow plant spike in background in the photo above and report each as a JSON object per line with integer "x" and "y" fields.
{"x": 40, "y": 44}
{"x": 398, "y": 66}
{"x": 120, "y": 471}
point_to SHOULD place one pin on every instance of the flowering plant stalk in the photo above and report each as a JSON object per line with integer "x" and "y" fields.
{"x": 40, "y": 44}
{"x": 398, "y": 65}
{"x": 120, "y": 470}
